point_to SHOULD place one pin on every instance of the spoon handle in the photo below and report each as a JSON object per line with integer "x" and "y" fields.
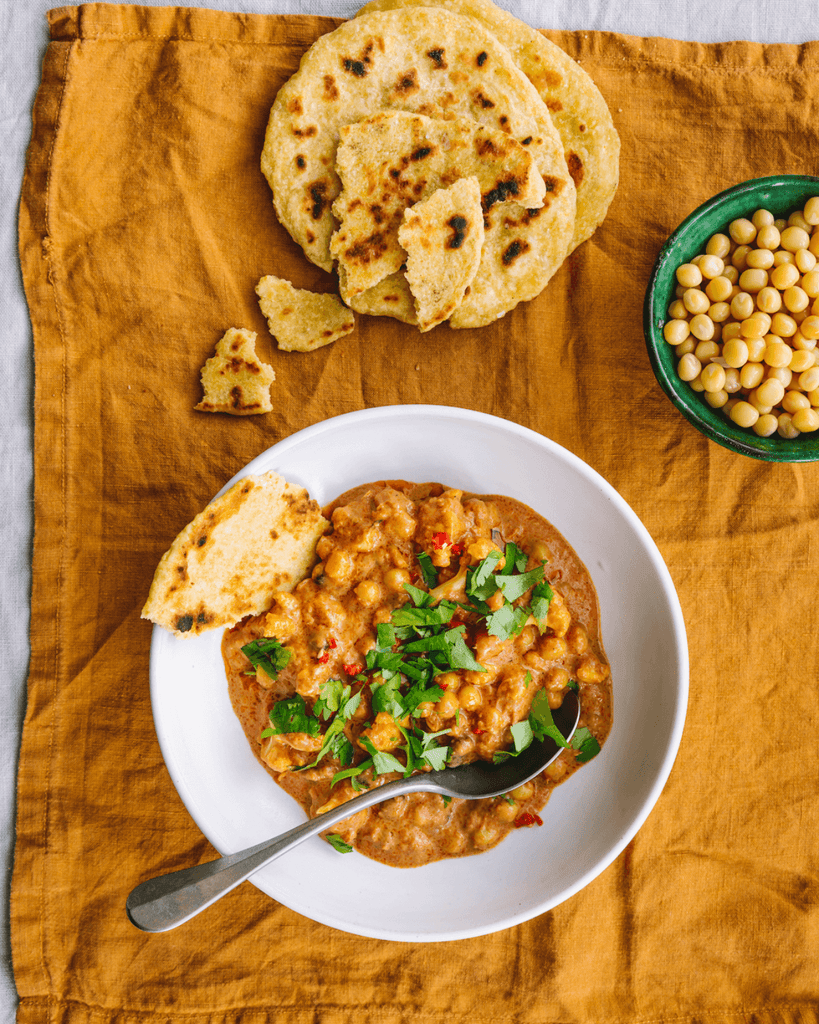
{"x": 162, "y": 903}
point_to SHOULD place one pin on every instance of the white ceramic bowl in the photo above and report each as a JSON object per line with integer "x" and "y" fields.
{"x": 588, "y": 820}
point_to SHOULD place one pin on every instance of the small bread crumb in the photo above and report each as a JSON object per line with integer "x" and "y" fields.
{"x": 235, "y": 381}
{"x": 300, "y": 320}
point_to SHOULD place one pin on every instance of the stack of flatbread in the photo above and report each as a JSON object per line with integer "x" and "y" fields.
{"x": 368, "y": 142}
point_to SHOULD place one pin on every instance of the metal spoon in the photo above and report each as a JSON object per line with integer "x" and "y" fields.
{"x": 162, "y": 903}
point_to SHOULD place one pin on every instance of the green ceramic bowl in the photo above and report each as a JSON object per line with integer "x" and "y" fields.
{"x": 781, "y": 194}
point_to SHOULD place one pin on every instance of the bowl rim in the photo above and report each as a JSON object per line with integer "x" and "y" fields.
{"x": 655, "y": 312}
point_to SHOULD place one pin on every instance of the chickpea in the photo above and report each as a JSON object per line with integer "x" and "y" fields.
{"x": 716, "y": 399}
{"x": 765, "y": 425}
{"x": 769, "y": 300}
{"x": 768, "y": 237}
{"x": 811, "y": 210}
{"x": 702, "y": 326}
{"x": 540, "y": 551}
{"x": 744, "y": 414}
{"x": 762, "y": 218}
{"x": 785, "y": 427}
{"x": 742, "y": 305}
{"x": 805, "y": 420}
{"x": 689, "y": 275}
{"x": 742, "y": 231}
{"x": 802, "y": 360}
{"x": 695, "y": 301}
{"x": 794, "y": 401}
{"x": 784, "y": 276}
{"x": 368, "y": 593}
{"x": 783, "y": 325}
{"x": 395, "y": 579}
{"x": 794, "y": 238}
{"x": 751, "y": 374}
{"x": 448, "y": 705}
{"x": 711, "y": 266}
{"x": 553, "y": 648}
{"x": 485, "y": 835}
{"x": 713, "y": 377}
{"x": 735, "y": 352}
{"x": 796, "y": 299}
{"x": 706, "y": 350}
{"x": 770, "y": 392}
{"x": 753, "y": 280}
{"x": 718, "y": 245}
{"x": 523, "y": 793}
{"x": 809, "y": 328}
{"x": 732, "y": 383}
{"x": 809, "y": 380}
{"x": 506, "y": 809}
{"x": 805, "y": 260}
{"x": 689, "y": 367}
{"x": 339, "y": 565}
{"x": 558, "y": 618}
{"x": 577, "y": 639}
{"x": 718, "y": 289}
{"x": 557, "y": 679}
{"x": 469, "y": 697}
{"x": 759, "y": 259}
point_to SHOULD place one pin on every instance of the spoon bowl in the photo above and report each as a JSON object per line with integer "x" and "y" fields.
{"x": 162, "y": 903}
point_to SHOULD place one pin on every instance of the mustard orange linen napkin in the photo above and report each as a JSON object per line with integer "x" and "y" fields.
{"x": 145, "y": 224}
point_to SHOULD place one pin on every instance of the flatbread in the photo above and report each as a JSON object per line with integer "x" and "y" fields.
{"x": 443, "y": 238}
{"x": 422, "y": 60}
{"x": 579, "y": 112}
{"x": 393, "y": 159}
{"x": 301, "y": 320}
{"x": 235, "y": 381}
{"x": 255, "y": 540}
{"x": 390, "y": 297}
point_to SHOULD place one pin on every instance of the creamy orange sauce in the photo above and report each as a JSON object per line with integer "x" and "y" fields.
{"x": 329, "y": 624}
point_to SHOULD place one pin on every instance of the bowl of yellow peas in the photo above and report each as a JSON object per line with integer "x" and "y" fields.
{"x": 731, "y": 318}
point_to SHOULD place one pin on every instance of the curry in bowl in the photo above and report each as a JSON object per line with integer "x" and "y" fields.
{"x": 435, "y": 628}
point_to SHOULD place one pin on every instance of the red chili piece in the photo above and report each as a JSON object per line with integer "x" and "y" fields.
{"x": 352, "y": 669}
{"x": 324, "y": 658}
{"x": 457, "y": 549}
{"x": 440, "y": 540}
{"x": 332, "y": 643}
{"x": 528, "y": 818}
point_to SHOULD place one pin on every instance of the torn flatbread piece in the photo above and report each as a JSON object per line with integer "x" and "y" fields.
{"x": 590, "y": 141}
{"x": 442, "y": 237}
{"x": 301, "y": 320}
{"x": 394, "y": 159}
{"x": 235, "y": 381}
{"x": 390, "y": 297}
{"x": 257, "y": 539}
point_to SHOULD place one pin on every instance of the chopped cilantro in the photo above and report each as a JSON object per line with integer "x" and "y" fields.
{"x": 427, "y": 569}
{"x": 541, "y": 599}
{"x": 585, "y": 744}
{"x": 267, "y": 653}
{"x": 540, "y": 718}
{"x": 383, "y": 762}
{"x": 335, "y": 742}
{"x": 291, "y": 715}
{"x": 514, "y": 587}
{"x": 338, "y": 843}
{"x": 352, "y": 774}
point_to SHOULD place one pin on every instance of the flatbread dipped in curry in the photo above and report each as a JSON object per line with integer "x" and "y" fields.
{"x": 256, "y": 540}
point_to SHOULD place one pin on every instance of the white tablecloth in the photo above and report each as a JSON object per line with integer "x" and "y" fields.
{"x": 23, "y": 38}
